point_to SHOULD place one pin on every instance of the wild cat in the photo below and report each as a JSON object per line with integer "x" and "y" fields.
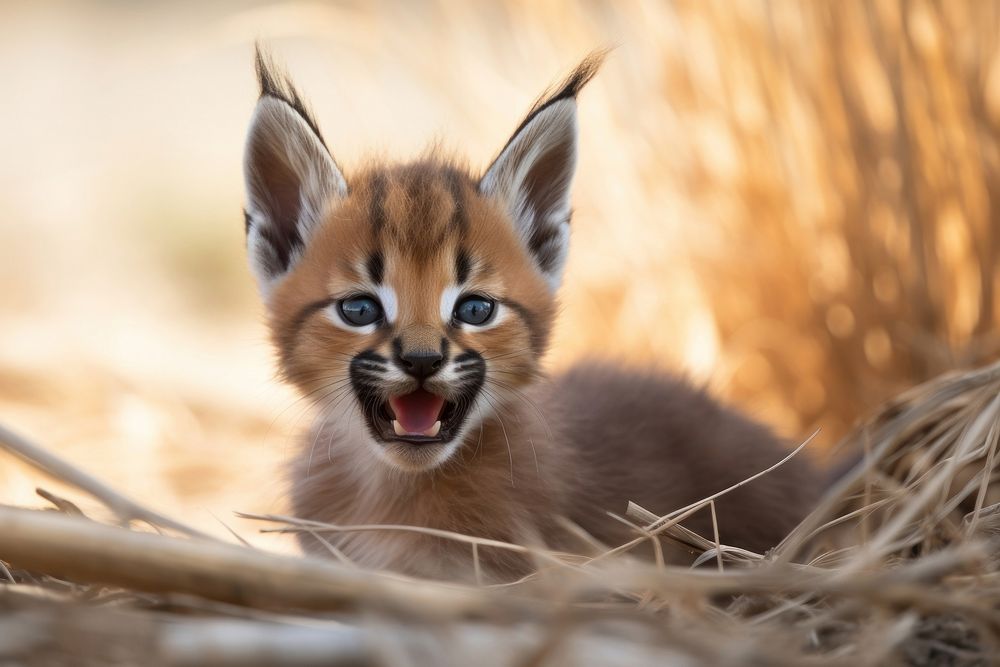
{"x": 413, "y": 304}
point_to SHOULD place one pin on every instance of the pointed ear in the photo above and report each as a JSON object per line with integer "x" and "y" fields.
{"x": 291, "y": 178}
{"x": 533, "y": 173}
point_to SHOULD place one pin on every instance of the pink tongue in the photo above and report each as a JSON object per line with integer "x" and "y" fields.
{"x": 418, "y": 411}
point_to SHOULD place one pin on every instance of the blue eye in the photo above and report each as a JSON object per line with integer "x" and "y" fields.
{"x": 360, "y": 311}
{"x": 476, "y": 310}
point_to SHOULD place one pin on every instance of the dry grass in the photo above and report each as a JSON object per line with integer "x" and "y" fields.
{"x": 899, "y": 565}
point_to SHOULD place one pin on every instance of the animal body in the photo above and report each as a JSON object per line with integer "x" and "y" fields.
{"x": 413, "y": 303}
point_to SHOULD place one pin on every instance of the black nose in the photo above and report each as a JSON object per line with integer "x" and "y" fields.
{"x": 421, "y": 363}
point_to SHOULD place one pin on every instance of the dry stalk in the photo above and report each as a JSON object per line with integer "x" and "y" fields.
{"x": 86, "y": 551}
{"x": 124, "y": 508}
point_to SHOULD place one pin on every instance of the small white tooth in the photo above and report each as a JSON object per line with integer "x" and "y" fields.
{"x": 398, "y": 428}
{"x": 433, "y": 430}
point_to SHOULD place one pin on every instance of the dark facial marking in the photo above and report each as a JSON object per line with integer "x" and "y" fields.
{"x": 303, "y": 315}
{"x": 380, "y": 334}
{"x": 369, "y": 360}
{"x": 472, "y": 368}
{"x": 534, "y": 333}
{"x": 376, "y": 267}
{"x": 463, "y": 266}
{"x": 462, "y": 361}
{"x": 397, "y": 348}
{"x": 361, "y": 374}
{"x": 366, "y": 368}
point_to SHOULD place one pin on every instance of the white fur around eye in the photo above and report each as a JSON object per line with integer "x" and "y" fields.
{"x": 449, "y": 297}
{"x": 390, "y": 305}
{"x": 449, "y": 300}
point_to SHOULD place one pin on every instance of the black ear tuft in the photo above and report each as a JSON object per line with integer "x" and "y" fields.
{"x": 569, "y": 88}
{"x": 276, "y": 83}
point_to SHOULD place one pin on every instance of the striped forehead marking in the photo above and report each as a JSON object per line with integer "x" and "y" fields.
{"x": 463, "y": 266}
{"x": 375, "y": 266}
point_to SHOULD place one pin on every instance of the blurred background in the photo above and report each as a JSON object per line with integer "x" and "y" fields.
{"x": 794, "y": 203}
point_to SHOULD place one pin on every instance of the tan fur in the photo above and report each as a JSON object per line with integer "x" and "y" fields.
{"x": 576, "y": 446}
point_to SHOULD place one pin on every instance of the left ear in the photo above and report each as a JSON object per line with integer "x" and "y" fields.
{"x": 533, "y": 173}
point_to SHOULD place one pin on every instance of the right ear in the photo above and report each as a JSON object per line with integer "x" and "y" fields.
{"x": 532, "y": 174}
{"x": 291, "y": 178}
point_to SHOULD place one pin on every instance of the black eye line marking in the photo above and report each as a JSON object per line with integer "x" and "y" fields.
{"x": 305, "y": 313}
{"x": 311, "y": 309}
{"x": 529, "y": 320}
{"x": 518, "y": 308}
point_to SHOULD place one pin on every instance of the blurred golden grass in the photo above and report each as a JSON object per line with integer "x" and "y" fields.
{"x": 795, "y": 202}
{"x": 863, "y": 202}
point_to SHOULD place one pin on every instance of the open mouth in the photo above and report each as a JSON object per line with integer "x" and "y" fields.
{"x": 419, "y": 417}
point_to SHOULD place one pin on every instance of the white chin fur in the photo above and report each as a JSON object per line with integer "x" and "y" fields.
{"x": 416, "y": 458}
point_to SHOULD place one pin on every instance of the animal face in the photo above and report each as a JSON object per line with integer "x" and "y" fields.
{"x": 414, "y": 298}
